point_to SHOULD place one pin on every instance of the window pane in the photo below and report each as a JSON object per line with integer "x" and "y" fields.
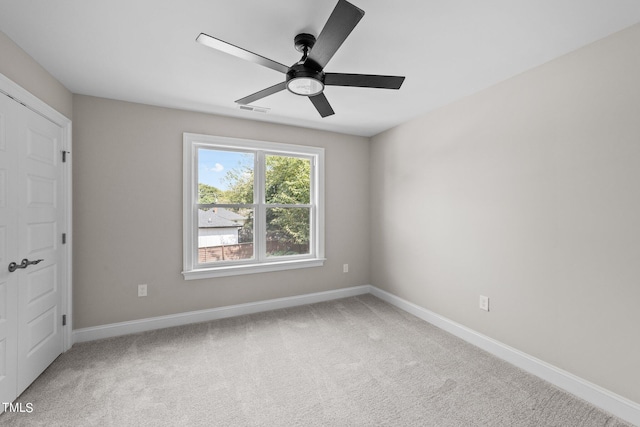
{"x": 225, "y": 234}
{"x": 225, "y": 177}
{"x": 288, "y": 231}
{"x": 288, "y": 180}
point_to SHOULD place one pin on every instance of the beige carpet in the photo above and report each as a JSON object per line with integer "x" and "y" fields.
{"x": 351, "y": 362}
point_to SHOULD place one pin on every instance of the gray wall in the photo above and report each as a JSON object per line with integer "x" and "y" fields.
{"x": 529, "y": 193}
{"x": 18, "y": 66}
{"x": 127, "y": 161}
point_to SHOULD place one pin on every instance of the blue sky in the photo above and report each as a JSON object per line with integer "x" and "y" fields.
{"x": 213, "y": 165}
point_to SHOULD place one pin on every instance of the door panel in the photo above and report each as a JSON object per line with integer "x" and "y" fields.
{"x": 40, "y": 331}
{"x": 41, "y": 284}
{"x": 40, "y": 191}
{"x": 42, "y": 146}
{"x": 40, "y": 237}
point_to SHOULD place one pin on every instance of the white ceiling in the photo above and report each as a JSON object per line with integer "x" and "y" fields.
{"x": 145, "y": 50}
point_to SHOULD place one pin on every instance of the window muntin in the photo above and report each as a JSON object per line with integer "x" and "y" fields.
{"x": 251, "y": 206}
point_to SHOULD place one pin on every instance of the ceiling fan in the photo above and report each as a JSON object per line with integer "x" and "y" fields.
{"x": 307, "y": 77}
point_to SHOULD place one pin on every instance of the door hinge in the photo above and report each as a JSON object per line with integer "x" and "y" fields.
{"x": 64, "y": 156}
{"x": 64, "y": 320}
{"x": 64, "y": 238}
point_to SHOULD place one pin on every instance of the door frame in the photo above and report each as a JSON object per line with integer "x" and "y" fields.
{"x": 35, "y": 104}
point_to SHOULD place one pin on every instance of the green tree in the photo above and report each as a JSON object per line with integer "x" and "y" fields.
{"x": 287, "y": 180}
{"x": 240, "y": 183}
{"x": 208, "y": 194}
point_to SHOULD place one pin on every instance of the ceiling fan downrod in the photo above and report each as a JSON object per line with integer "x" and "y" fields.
{"x": 304, "y": 43}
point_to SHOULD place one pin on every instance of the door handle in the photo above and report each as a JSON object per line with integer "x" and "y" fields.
{"x": 24, "y": 264}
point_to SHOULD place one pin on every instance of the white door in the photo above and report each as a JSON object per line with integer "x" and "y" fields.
{"x": 32, "y": 216}
{"x": 8, "y": 252}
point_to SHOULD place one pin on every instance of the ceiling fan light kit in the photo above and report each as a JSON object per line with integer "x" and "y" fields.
{"x": 307, "y": 77}
{"x": 304, "y": 86}
{"x": 304, "y": 81}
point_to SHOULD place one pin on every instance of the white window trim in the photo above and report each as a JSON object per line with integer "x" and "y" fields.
{"x": 191, "y": 269}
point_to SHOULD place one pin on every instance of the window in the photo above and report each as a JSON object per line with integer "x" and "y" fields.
{"x": 251, "y": 206}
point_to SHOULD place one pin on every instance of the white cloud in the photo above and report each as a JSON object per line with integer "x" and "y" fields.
{"x": 217, "y": 168}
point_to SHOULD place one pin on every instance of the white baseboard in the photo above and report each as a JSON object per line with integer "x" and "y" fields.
{"x": 617, "y": 405}
{"x": 149, "y": 324}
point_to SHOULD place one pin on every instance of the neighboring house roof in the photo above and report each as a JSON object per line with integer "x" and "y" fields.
{"x": 230, "y": 215}
{"x": 219, "y": 218}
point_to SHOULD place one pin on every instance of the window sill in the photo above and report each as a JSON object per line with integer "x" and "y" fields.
{"x": 235, "y": 270}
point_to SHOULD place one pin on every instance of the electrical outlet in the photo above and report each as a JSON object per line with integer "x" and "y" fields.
{"x": 345, "y": 268}
{"x": 142, "y": 290}
{"x": 484, "y": 303}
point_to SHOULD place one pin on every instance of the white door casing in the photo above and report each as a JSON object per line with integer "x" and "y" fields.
{"x": 35, "y": 201}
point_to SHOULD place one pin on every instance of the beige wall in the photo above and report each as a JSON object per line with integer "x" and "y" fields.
{"x": 18, "y": 66}
{"x": 529, "y": 193}
{"x": 127, "y": 161}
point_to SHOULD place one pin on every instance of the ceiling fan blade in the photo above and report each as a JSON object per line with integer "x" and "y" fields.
{"x": 322, "y": 105}
{"x": 342, "y": 21}
{"x": 363, "y": 80}
{"x": 263, "y": 93}
{"x": 236, "y": 51}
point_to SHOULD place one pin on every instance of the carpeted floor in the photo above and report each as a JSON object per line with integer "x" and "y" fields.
{"x": 350, "y": 362}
